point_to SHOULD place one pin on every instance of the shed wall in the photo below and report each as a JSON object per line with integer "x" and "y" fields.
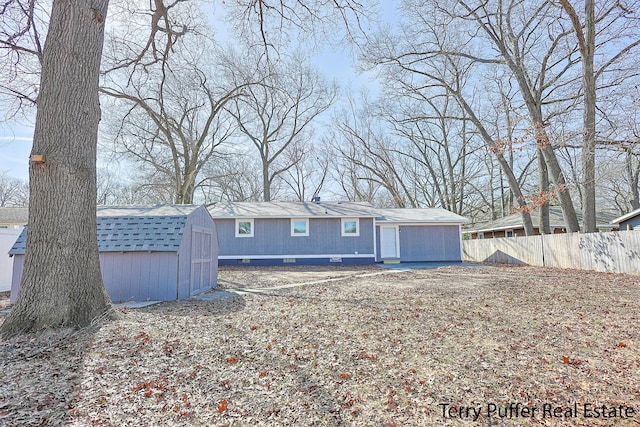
{"x": 128, "y": 276}
{"x": 140, "y": 276}
{"x": 18, "y": 263}
{"x": 272, "y": 237}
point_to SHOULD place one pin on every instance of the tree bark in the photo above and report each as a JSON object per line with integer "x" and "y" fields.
{"x": 543, "y": 173}
{"x": 589, "y": 141}
{"x": 61, "y": 283}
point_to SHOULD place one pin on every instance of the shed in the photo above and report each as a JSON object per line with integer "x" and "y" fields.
{"x": 418, "y": 235}
{"x": 165, "y": 252}
{"x": 276, "y": 233}
{"x": 630, "y": 221}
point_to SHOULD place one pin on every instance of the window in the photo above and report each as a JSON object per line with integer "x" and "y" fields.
{"x": 244, "y": 228}
{"x": 509, "y": 233}
{"x": 480, "y": 235}
{"x": 350, "y": 227}
{"x": 299, "y": 227}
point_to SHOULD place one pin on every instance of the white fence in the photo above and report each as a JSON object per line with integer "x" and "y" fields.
{"x": 8, "y": 237}
{"x": 616, "y": 252}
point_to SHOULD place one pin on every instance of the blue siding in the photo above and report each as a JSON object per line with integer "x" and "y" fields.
{"x": 420, "y": 243}
{"x": 633, "y": 223}
{"x": 273, "y": 237}
{"x": 140, "y": 276}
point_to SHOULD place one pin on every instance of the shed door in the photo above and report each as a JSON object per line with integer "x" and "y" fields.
{"x": 201, "y": 259}
{"x": 389, "y": 242}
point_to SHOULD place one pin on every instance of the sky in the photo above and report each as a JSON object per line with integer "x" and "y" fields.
{"x": 16, "y": 139}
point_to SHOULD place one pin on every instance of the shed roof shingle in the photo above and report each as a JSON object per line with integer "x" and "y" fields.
{"x": 133, "y": 228}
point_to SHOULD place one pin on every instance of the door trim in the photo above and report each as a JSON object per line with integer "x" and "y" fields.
{"x": 397, "y": 230}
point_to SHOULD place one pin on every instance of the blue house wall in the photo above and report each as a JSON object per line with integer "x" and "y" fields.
{"x": 272, "y": 242}
{"x": 423, "y": 243}
{"x": 631, "y": 224}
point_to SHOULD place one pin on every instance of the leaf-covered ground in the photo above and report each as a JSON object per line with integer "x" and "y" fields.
{"x": 450, "y": 346}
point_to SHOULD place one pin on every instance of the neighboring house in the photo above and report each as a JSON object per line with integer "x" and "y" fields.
{"x": 417, "y": 235}
{"x": 12, "y": 221}
{"x": 630, "y": 221}
{"x": 512, "y": 226}
{"x": 166, "y": 252}
{"x": 13, "y": 217}
{"x": 272, "y": 233}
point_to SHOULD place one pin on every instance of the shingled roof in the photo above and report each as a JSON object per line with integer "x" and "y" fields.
{"x": 420, "y": 215}
{"x": 292, "y": 210}
{"x": 128, "y": 229}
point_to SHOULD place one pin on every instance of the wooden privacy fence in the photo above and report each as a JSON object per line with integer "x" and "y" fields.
{"x": 616, "y": 252}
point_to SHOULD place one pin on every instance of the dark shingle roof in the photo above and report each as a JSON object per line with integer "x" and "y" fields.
{"x": 128, "y": 229}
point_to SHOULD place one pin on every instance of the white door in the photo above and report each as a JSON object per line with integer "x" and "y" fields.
{"x": 389, "y": 242}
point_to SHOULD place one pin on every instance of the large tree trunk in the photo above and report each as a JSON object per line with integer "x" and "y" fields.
{"x": 61, "y": 283}
{"x": 589, "y": 141}
{"x": 266, "y": 182}
{"x": 543, "y": 174}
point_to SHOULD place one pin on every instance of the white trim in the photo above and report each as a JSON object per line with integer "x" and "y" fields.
{"x": 296, "y": 256}
{"x": 397, "y": 230}
{"x": 306, "y": 221}
{"x": 461, "y": 244}
{"x": 626, "y": 217}
{"x": 375, "y": 242}
{"x": 249, "y": 220}
{"x": 343, "y": 221}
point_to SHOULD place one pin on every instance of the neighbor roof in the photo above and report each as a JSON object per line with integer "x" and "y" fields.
{"x": 430, "y": 215}
{"x": 291, "y": 210}
{"x": 556, "y": 220}
{"x": 134, "y": 228}
{"x": 623, "y": 218}
{"x": 14, "y": 215}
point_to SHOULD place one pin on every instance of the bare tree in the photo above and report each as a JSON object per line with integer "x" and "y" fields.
{"x": 612, "y": 15}
{"x": 435, "y": 72}
{"x": 14, "y": 192}
{"x": 277, "y": 114}
{"x": 61, "y": 283}
{"x": 173, "y": 125}
{"x": 308, "y": 175}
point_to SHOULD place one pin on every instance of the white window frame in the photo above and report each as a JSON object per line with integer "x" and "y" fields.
{"x": 238, "y": 221}
{"x": 506, "y": 233}
{"x": 306, "y": 222}
{"x": 344, "y": 221}
{"x": 481, "y": 235}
